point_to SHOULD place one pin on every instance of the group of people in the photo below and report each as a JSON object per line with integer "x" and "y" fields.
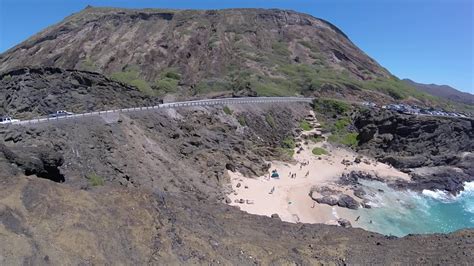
{"x": 274, "y": 173}
{"x": 304, "y": 163}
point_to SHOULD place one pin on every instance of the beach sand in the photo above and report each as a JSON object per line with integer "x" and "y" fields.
{"x": 289, "y": 197}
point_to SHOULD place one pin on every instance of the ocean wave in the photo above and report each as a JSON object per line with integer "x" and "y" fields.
{"x": 468, "y": 188}
{"x": 469, "y": 207}
{"x": 438, "y": 195}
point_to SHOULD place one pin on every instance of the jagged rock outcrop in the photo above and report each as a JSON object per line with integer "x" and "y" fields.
{"x": 352, "y": 178}
{"x": 436, "y": 151}
{"x": 40, "y": 161}
{"x": 33, "y": 91}
{"x": 339, "y": 199}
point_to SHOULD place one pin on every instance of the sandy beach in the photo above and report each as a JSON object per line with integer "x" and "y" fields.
{"x": 289, "y": 197}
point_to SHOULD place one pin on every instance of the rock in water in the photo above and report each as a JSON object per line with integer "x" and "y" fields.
{"x": 329, "y": 200}
{"x": 347, "y": 201}
{"x": 359, "y": 192}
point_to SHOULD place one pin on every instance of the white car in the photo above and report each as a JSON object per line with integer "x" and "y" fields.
{"x": 8, "y": 120}
{"x": 60, "y": 113}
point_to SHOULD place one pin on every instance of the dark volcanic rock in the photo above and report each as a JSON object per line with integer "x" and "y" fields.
{"x": 441, "y": 146}
{"x": 347, "y": 201}
{"x": 352, "y": 178}
{"x": 359, "y": 192}
{"x": 275, "y": 216}
{"x": 439, "y": 178}
{"x": 230, "y": 167}
{"x": 344, "y": 223}
{"x": 40, "y": 161}
{"x": 329, "y": 200}
{"x": 33, "y": 91}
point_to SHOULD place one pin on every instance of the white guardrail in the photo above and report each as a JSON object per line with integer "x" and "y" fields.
{"x": 207, "y": 102}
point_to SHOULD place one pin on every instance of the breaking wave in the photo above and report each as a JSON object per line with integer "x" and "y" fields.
{"x": 400, "y": 213}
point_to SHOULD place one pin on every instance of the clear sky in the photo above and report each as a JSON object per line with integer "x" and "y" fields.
{"x": 429, "y": 41}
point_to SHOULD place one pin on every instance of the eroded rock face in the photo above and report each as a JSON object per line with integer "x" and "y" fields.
{"x": 40, "y": 161}
{"x": 30, "y": 92}
{"x": 187, "y": 151}
{"x": 443, "y": 147}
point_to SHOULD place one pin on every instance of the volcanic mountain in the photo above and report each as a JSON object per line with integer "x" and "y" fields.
{"x": 250, "y": 51}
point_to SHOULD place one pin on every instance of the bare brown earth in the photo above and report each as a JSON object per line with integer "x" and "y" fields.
{"x": 48, "y": 223}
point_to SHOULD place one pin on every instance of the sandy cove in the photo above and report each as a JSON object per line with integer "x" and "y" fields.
{"x": 289, "y": 197}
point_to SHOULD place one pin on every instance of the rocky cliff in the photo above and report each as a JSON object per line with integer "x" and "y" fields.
{"x": 37, "y": 91}
{"x": 437, "y": 151}
{"x": 181, "y": 151}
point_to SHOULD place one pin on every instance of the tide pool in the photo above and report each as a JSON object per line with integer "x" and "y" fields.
{"x": 400, "y": 213}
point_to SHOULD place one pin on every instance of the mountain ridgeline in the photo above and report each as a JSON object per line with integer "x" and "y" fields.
{"x": 443, "y": 91}
{"x": 197, "y": 52}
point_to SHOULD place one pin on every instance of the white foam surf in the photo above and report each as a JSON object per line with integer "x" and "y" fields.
{"x": 438, "y": 195}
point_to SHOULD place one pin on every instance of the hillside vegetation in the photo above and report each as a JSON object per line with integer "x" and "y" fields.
{"x": 194, "y": 52}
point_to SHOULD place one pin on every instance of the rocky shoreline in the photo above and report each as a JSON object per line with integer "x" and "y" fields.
{"x": 437, "y": 152}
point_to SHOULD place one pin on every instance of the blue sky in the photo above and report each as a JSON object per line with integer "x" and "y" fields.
{"x": 429, "y": 41}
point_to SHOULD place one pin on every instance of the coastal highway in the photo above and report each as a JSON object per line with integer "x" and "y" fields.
{"x": 206, "y": 102}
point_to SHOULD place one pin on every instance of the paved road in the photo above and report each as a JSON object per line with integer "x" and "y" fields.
{"x": 210, "y": 102}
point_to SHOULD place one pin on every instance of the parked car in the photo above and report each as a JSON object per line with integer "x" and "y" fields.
{"x": 60, "y": 113}
{"x": 8, "y": 120}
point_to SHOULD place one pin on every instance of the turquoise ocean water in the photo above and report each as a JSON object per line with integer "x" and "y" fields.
{"x": 400, "y": 213}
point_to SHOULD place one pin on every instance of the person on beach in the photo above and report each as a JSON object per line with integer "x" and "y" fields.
{"x": 272, "y": 190}
{"x": 307, "y": 174}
